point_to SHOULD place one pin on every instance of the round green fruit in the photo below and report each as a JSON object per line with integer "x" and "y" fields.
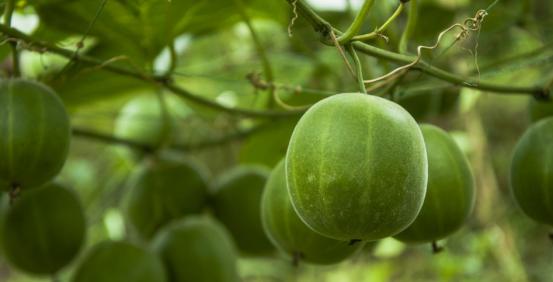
{"x": 290, "y": 234}
{"x": 540, "y": 110}
{"x": 236, "y": 203}
{"x": 532, "y": 172}
{"x": 356, "y": 168}
{"x": 34, "y": 134}
{"x": 197, "y": 249}
{"x": 164, "y": 190}
{"x": 142, "y": 120}
{"x": 44, "y": 230}
{"x": 117, "y": 261}
{"x": 450, "y": 192}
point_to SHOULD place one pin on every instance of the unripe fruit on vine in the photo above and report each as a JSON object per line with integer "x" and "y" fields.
{"x": 164, "y": 190}
{"x": 540, "y": 110}
{"x": 290, "y": 234}
{"x": 236, "y": 203}
{"x": 44, "y": 230}
{"x": 34, "y": 134}
{"x": 197, "y": 249}
{"x": 356, "y": 168}
{"x": 532, "y": 172}
{"x": 450, "y": 192}
{"x": 117, "y": 261}
{"x": 143, "y": 119}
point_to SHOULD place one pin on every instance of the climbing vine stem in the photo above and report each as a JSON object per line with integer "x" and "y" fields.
{"x": 412, "y": 19}
{"x": 379, "y": 30}
{"x": 322, "y": 26}
{"x": 357, "y": 23}
{"x": 260, "y": 49}
{"x": 8, "y": 14}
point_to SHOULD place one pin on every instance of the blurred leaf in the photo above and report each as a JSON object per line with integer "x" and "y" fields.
{"x": 139, "y": 29}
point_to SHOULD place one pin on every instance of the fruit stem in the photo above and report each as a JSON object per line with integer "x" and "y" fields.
{"x": 8, "y": 13}
{"x": 436, "y": 249}
{"x": 358, "y": 69}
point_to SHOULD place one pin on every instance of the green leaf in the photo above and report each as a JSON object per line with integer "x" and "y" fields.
{"x": 137, "y": 28}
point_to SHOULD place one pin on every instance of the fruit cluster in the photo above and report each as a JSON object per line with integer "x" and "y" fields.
{"x": 358, "y": 169}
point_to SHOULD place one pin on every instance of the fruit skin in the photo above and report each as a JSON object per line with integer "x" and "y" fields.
{"x": 34, "y": 134}
{"x": 356, "y": 168}
{"x": 540, "y": 110}
{"x": 117, "y": 261}
{"x": 290, "y": 234}
{"x": 236, "y": 203}
{"x": 532, "y": 172}
{"x": 450, "y": 193}
{"x": 44, "y": 229}
{"x": 164, "y": 190}
{"x": 197, "y": 249}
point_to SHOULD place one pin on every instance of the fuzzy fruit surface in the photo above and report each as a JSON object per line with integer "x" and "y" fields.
{"x": 356, "y": 168}
{"x": 237, "y": 202}
{"x": 290, "y": 234}
{"x": 540, "y": 110}
{"x": 44, "y": 230}
{"x": 450, "y": 192}
{"x": 164, "y": 190}
{"x": 532, "y": 172}
{"x": 117, "y": 261}
{"x": 34, "y": 134}
{"x": 197, "y": 249}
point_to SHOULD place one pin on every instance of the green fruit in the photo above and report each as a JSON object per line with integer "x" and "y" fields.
{"x": 356, "y": 168}
{"x": 197, "y": 249}
{"x": 44, "y": 230}
{"x": 34, "y": 134}
{"x": 429, "y": 105}
{"x": 142, "y": 120}
{"x": 164, "y": 190}
{"x": 532, "y": 172}
{"x": 540, "y": 110}
{"x": 286, "y": 230}
{"x": 450, "y": 192}
{"x": 237, "y": 202}
{"x": 114, "y": 261}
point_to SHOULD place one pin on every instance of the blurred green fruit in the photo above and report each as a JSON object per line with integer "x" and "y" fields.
{"x": 237, "y": 202}
{"x": 532, "y": 172}
{"x": 357, "y": 168}
{"x": 164, "y": 190}
{"x": 44, "y": 230}
{"x": 290, "y": 234}
{"x": 34, "y": 134}
{"x": 142, "y": 120}
{"x": 197, "y": 249}
{"x": 450, "y": 192}
{"x": 115, "y": 261}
